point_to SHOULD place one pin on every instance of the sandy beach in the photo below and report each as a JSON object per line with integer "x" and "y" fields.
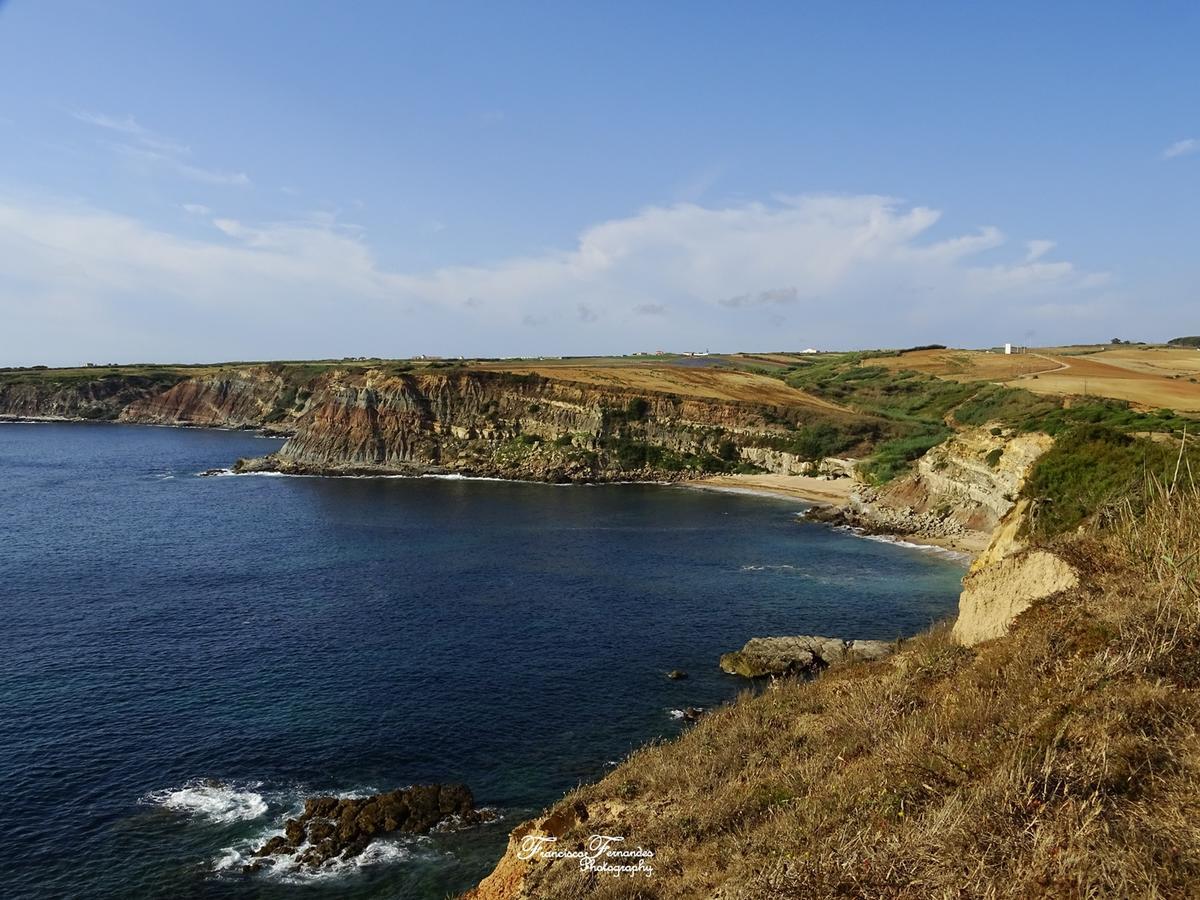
{"x": 832, "y": 492}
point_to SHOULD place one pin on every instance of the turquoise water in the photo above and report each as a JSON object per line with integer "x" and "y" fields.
{"x": 289, "y": 636}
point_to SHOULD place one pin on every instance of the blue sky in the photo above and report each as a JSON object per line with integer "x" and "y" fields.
{"x": 285, "y": 180}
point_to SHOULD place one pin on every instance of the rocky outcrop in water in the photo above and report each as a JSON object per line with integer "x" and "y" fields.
{"x": 799, "y": 655}
{"x": 332, "y": 828}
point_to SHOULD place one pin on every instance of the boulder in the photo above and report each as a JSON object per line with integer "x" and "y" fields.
{"x": 677, "y": 674}
{"x": 799, "y": 655}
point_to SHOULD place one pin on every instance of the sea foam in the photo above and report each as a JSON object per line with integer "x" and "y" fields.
{"x": 212, "y": 800}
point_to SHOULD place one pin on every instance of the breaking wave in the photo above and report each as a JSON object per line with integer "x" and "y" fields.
{"x": 212, "y": 800}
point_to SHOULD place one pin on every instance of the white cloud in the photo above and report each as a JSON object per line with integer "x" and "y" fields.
{"x": 1038, "y": 249}
{"x": 196, "y": 209}
{"x": 848, "y": 270}
{"x": 1182, "y": 148}
{"x": 153, "y": 149}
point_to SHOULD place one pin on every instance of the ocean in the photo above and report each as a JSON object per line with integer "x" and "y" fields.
{"x": 184, "y": 659}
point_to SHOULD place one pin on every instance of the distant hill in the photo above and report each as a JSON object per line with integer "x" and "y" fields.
{"x": 1193, "y": 341}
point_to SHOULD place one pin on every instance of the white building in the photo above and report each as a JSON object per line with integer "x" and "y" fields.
{"x": 1008, "y": 349}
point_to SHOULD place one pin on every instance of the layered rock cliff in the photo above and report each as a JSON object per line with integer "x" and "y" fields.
{"x": 474, "y": 421}
{"x": 267, "y": 397}
{"x": 91, "y": 398}
{"x": 520, "y": 426}
{"x": 959, "y": 490}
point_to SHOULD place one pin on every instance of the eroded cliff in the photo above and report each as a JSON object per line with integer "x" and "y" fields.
{"x": 959, "y": 490}
{"x": 576, "y": 425}
{"x": 524, "y": 426}
{"x": 89, "y": 397}
{"x": 267, "y": 397}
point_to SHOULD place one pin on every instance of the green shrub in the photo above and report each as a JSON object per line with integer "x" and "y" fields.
{"x": 892, "y": 458}
{"x": 1089, "y": 468}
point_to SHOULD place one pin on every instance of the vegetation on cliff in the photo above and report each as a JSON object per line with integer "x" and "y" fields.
{"x": 1061, "y": 759}
{"x": 919, "y": 410}
{"x": 1093, "y": 470}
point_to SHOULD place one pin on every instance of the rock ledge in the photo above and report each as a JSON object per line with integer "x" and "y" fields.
{"x": 799, "y": 655}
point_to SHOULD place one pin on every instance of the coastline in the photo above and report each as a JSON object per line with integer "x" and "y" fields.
{"x": 834, "y": 493}
{"x": 818, "y": 491}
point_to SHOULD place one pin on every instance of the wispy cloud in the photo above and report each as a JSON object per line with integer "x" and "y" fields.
{"x": 151, "y": 148}
{"x": 128, "y": 125}
{"x": 1038, "y": 249}
{"x": 196, "y": 209}
{"x": 693, "y": 189}
{"x": 210, "y": 176}
{"x": 1185, "y": 147}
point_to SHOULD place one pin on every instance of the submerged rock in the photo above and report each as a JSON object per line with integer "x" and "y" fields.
{"x": 342, "y": 827}
{"x": 677, "y": 674}
{"x": 799, "y": 655}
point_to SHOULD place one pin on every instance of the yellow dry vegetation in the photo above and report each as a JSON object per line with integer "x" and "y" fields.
{"x": 705, "y": 382}
{"x": 1149, "y": 378}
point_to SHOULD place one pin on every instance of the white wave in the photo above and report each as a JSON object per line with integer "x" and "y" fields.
{"x": 782, "y": 567}
{"x": 765, "y": 493}
{"x": 438, "y": 476}
{"x": 285, "y": 867}
{"x": 212, "y": 800}
{"x": 895, "y": 541}
{"x": 676, "y": 713}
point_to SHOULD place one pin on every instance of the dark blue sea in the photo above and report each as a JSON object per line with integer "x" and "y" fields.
{"x": 184, "y": 659}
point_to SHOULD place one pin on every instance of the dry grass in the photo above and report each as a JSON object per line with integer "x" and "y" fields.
{"x": 1062, "y": 760}
{"x": 1150, "y": 378}
{"x": 967, "y": 365}
{"x": 703, "y": 382}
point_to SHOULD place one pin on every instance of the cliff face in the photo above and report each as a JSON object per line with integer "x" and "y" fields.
{"x": 558, "y": 427}
{"x": 517, "y": 426}
{"x": 249, "y": 397}
{"x": 101, "y": 397}
{"x": 965, "y": 486}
